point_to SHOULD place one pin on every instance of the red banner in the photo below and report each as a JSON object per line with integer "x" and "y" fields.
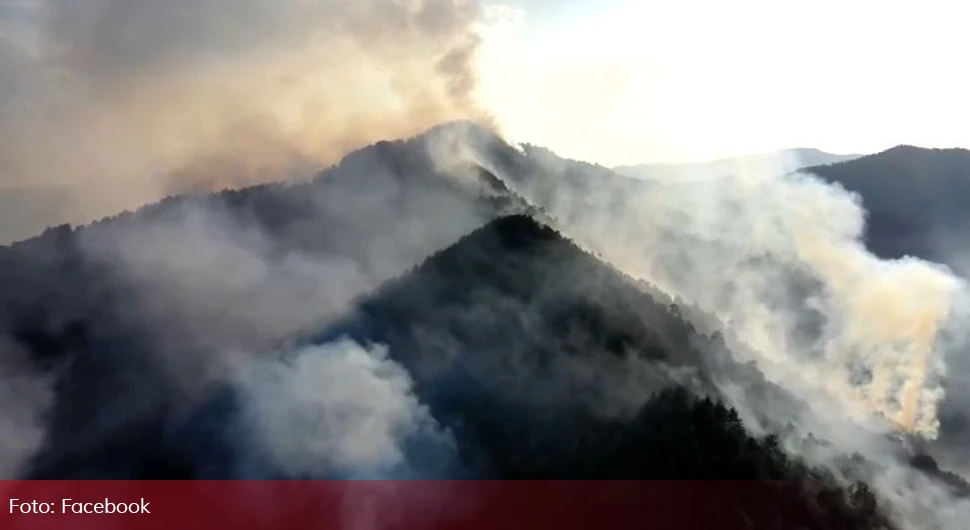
{"x": 373, "y": 505}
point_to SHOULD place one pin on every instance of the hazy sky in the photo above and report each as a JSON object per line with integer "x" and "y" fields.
{"x": 610, "y": 81}
{"x": 619, "y": 81}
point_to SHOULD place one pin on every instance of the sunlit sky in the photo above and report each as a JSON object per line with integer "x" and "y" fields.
{"x": 622, "y": 82}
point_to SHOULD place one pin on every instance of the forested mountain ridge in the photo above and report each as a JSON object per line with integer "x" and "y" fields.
{"x": 540, "y": 359}
{"x": 537, "y": 373}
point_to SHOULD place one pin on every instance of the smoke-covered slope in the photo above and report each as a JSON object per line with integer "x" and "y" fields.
{"x": 177, "y": 289}
{"x": 154, "y": 337}
{"x": 519, "y": 340}
{"x": 381, "y": 210}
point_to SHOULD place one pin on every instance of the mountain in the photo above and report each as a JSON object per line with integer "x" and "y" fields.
{"x": 916, "y": 201}
{"x": 407, "y": 304}
{"x": 783, "y": 161}
{"x": 537, "y": 358}
{"x": 514, "y": 335}
{"x": 513, "y": 293}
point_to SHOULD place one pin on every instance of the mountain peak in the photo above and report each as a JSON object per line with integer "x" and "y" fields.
{"x": 475, "y": 129}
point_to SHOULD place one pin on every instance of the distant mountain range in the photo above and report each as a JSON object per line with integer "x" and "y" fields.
{"x": 774, "y": 162}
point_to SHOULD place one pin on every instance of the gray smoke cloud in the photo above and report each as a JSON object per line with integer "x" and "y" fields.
{"x": 114, "y": 103}
{"x": 211, "y": 291}
{"x": 200, "y": 273}
{"x": 340, "y": 410}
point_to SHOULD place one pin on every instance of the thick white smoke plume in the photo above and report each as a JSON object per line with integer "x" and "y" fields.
{"x": 107, "y": 104}
{"x": 780, "y": 260}
{"x": 339, "y": 409}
